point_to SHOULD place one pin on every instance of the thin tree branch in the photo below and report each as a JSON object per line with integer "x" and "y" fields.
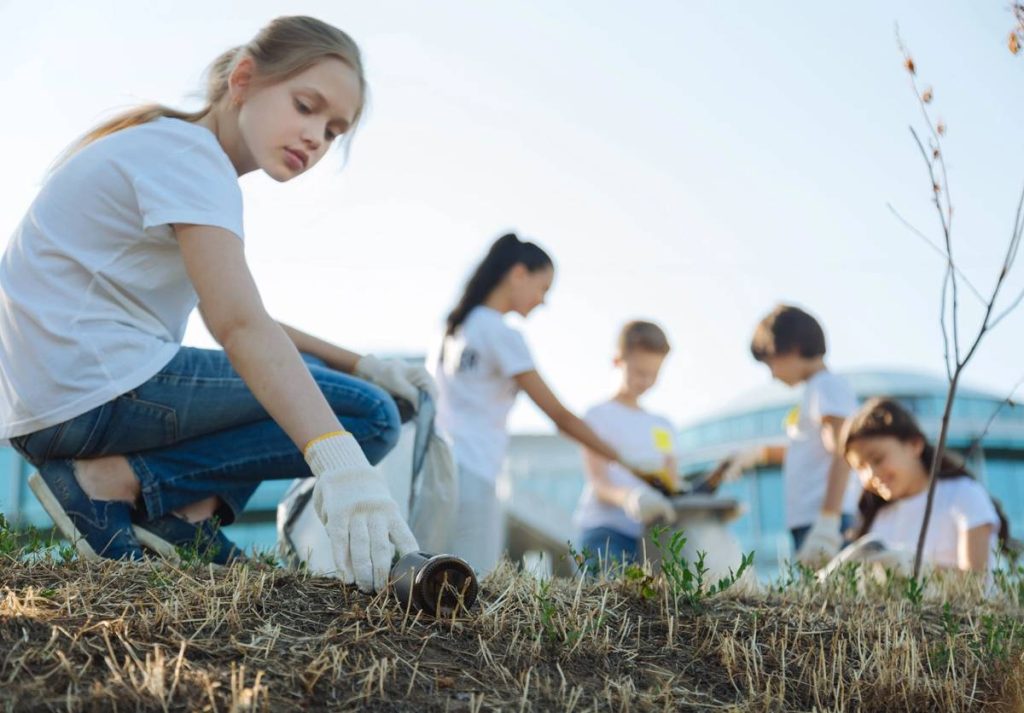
{"x": 937, "y": 200}
{"x": 1008, "y": 261}
{"x": 942, "y": 324}
{"x": 1011, "y": 254}
{"x": 947, "y": 222}
{"x": 939, "y": 189}
{"x": 1013, "y": 306}
{"x": 944, "y": 207}
{"x": 940, "y": 449}
{"x": 1008, "y": 401}
{"x": 941, "y": 197}
{"x": 930, "y": 243}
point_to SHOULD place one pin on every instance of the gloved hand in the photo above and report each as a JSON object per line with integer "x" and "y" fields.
{"x": 741, "y": 461}
{"x": 822, "y": 542}
{"x": 655, "y": 472}
{"x": 396, "y": 377}
{"x": 645, "y": 504}
{"x": 362, "y": 521}
{"x": 899, "y": 561}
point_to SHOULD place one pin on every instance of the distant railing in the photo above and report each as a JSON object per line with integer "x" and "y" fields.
{"x": 14, "y": 473}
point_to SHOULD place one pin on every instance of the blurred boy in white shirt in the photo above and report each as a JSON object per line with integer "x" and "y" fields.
{"x": 820, "y": 495}
{"x": 616, "y": 505}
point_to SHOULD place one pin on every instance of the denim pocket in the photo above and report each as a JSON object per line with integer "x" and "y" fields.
{"x": 136, "y": 425}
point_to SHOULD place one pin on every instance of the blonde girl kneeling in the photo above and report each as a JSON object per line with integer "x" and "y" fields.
{"x": 136, "y": 439}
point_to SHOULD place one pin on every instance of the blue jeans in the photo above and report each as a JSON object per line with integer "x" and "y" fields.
{"x": 605, "y": 546}
{"x": 846, "y": 521}
{"x": 195, "y": 430}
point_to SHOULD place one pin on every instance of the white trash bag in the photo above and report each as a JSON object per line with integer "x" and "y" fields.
{"x": 421, "y": 476}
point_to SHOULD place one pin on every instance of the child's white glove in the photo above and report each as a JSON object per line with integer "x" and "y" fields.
{"x": 897, "y": 560}
{"x": 744, "y": 460}
{"x": 822, "y": 542}
{"x": 396, "y": 377}
{"x": 361, "y": 518}
{"x": 647, "y": 505}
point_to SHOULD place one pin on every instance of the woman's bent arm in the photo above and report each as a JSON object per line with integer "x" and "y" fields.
{"x": 335, "y": 357}
{"x": 596, "y": 470}
{"x": 566, "y": 421}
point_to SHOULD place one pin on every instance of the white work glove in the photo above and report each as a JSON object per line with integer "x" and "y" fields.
{"x": 822, "y": 542}
{"x": 874, "y": 557}
{"x": 396, "y": 377}
{"x": 744, "y": 460}
{"x": 646, "y": 505}
{"x": 362, "y": 520}
{"x": 897, "y": 560}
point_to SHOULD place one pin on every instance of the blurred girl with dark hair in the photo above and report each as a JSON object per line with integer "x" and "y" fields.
{"x": 884, "y": 443}
{"x": 482, "y": 365}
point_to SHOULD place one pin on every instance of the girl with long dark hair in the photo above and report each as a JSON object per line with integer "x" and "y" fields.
{"x": 483, "y": 364}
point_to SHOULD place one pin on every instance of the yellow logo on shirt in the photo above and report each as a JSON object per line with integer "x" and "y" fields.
{"x": 792, "y": 418}
{"x": 662, "y": 439}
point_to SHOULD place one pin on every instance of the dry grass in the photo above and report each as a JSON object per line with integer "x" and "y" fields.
{"x": 84, "y": 637}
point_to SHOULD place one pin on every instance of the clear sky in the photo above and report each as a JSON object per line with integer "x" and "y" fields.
{"x": 688, "y": 162}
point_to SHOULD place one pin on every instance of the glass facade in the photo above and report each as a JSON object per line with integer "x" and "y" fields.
{"x": 1005, "y": 481}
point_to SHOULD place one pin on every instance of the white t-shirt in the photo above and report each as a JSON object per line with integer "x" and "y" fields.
{"x": 94, "y": 297}
{"x": 961, "y": 504}
{"x": 476, "y": 389}
{"x": 640, "y": 437}
{"x": 805, "y": 469}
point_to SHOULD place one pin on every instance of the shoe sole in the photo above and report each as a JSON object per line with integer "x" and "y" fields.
{"x": 161, "y": 546}
{"x": 60, "y": 518}
{"x": 158, "y": 544}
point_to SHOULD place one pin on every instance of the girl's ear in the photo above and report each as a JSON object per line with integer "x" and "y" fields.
{"x": 240, "y": 79}
{"x": 918, "y": 445}
{"x": 517, "y": 272}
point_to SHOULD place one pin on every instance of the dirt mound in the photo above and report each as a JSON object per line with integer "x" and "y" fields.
{"x": 83, "y": 637}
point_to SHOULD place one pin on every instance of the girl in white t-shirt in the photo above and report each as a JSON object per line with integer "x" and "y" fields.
{"x": 482, "y": 364}
{"x": 136, "y": 439}
{"x": 883, "y": 442}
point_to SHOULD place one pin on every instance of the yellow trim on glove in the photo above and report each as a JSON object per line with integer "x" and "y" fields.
{"x": 316, "y": 440}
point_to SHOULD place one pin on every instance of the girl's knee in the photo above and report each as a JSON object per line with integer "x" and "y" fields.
{"x": 365, "y": 409}
{"x": 389, "y": 426}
